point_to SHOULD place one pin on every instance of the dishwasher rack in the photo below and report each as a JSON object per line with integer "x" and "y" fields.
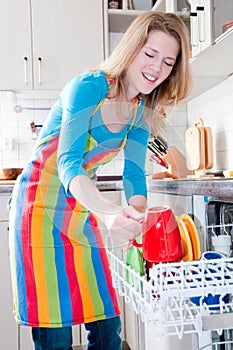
{"x": 228, "y": 345}
{"x": 163, "y": 298}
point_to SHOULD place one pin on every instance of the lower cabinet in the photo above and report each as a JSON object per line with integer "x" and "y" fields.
{"x": 25, "y": 339}
{"x": 172, "y": 342}
{"x": 8, "y": 326}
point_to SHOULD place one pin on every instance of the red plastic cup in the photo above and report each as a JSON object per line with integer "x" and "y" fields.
{"x": 161, "y": 241}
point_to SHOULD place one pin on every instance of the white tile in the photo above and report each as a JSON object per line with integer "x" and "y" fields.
{"x": 9, "y": 119}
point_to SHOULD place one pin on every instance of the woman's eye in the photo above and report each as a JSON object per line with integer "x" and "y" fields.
{"x": 149, "y": 55}
{"x": 168, "y": 64}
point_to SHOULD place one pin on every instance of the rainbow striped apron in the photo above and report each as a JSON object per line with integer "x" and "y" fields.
{"x": 59, "y": 266}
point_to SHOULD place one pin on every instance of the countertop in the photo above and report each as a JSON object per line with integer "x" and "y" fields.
{"x": 6, "y": 186}
{"x": 213, "y": 187}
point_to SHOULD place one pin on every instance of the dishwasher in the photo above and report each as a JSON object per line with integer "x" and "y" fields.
{"x": 164, "y": 301}
{"x": 219, "y": 224}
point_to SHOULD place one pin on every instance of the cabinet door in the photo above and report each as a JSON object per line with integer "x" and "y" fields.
{"x": 201, "y": 25}
{"x": 8, "y": 326}
{"x": 67, "y": 39}
{"x": 15, "y": 59}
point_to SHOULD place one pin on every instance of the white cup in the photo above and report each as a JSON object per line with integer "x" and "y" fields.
{"x": 222, "y": 244}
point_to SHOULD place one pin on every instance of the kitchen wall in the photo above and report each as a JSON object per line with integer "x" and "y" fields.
{"x": 214, "y": 107}
{"x": 16, "y": 125}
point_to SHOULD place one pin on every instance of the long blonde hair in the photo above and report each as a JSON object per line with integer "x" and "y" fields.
{"x": 176, "y": 86}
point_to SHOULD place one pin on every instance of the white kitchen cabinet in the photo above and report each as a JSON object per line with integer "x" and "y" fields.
{"x": 200, "y": 25}
{"x": 45, "y": 43}
{"x": 8, "y": 326}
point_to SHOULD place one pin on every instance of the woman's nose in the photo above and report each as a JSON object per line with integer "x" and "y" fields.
{"x": 157, "y": 66}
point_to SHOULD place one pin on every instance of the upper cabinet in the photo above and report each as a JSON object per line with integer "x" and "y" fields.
{"x": 211, "y": 36}
{"x": 211, "y": 39}
{"x": 45, "y": 43}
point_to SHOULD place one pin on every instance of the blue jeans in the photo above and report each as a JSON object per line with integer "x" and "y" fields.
{"x": 102, "y": 335}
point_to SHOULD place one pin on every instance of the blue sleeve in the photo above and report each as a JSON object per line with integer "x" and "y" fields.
{"x": 78, "y": 99}
{"x": 134, "y": 177}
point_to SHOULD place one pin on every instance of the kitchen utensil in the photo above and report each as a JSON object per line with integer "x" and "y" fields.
{"x": 186, "y": 242}
{"x": 155, "y": 148}
{"x": 160, "y": 144}
{"x": 222, "y": 244}
{"x": 210, "y": 255}
{"x": 10, "y": 173}
{"x": 159, "y": 160}
{"x": 212, "y": 271}
{"x": 208, "y": 141}
{"x": 199, "y": 148}
{"x": 162, "y": 141}
{"x": 193, "y": 234}
{"x": 195, "y": 147}
{"x": 161, "y": 241}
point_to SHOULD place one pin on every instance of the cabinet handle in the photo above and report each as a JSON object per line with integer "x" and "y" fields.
{"x": 25, "y": 60}
{"x": 39, "y": 69}
{"x": 194, "y": 29}
{"x": 201, "y": 22}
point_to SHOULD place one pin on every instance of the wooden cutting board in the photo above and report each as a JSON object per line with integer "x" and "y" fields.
{"x": 199, "y": 147}
{"x": 209, "y": 161}
{"x": 195, "y": 153}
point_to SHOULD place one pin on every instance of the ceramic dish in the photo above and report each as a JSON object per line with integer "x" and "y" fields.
{"x": 186, "y": 241}
{"x": 189, "y": 223}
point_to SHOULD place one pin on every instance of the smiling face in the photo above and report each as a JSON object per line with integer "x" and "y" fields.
{"x": 153, "y": 64}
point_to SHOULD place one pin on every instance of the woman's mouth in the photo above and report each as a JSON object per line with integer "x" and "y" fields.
{"x": 149, "y": 77}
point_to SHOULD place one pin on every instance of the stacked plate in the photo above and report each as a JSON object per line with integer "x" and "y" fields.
{"x": 189, "y": 238}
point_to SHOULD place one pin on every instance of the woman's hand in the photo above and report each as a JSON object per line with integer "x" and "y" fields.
{"x": 124, "y": 226}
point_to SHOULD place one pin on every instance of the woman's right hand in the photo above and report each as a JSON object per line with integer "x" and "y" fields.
{"x": 124, "y": 226}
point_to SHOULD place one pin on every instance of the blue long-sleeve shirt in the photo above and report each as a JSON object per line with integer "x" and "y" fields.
{"x": 71, "y": 117}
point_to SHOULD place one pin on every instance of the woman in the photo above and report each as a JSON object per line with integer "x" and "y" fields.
{"x": 60, "y": 269}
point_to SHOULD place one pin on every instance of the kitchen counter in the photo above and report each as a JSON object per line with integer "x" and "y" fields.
{"x": 214, "y": 187}
{"x": 6, "y": 186}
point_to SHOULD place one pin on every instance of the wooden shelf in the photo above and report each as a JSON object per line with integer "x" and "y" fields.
{"x": 119, "y": 20}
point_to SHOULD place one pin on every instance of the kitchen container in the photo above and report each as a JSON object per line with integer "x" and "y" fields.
{"x": 10, "y": 173}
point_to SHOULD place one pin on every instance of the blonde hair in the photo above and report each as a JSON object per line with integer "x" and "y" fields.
{"x": 176, "y": 86}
